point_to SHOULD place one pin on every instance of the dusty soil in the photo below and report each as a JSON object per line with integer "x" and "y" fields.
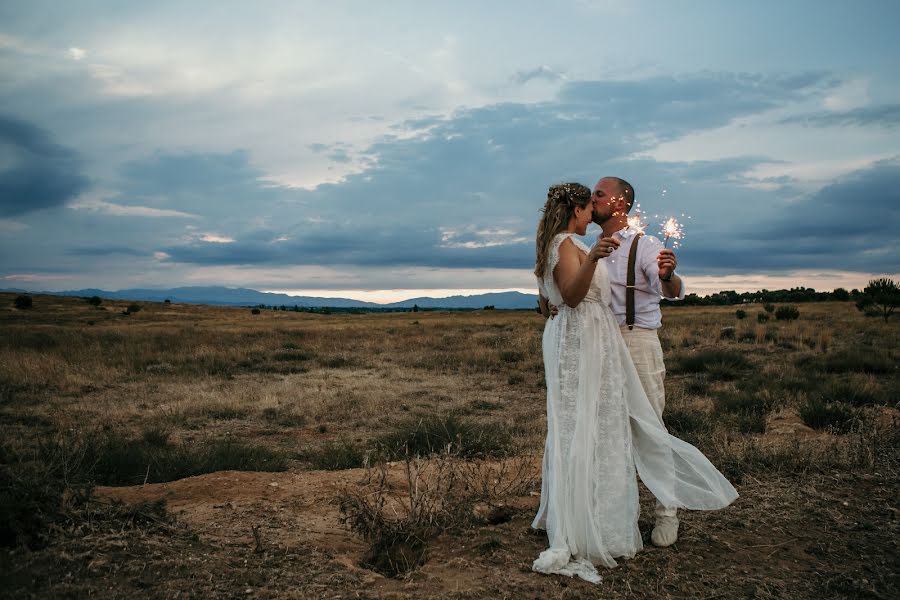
{"x": 783, "y": 538}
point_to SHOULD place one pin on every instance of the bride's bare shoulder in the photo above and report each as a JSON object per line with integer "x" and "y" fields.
{"x": 568, "y": 248}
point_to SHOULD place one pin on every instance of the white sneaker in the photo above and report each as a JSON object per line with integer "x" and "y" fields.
{"x": 665, "y": 533}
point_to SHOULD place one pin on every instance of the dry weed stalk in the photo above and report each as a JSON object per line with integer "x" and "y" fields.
{"x": 398, "y": 513}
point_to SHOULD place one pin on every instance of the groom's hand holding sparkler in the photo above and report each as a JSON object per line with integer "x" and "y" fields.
{"x": 666, "y": 261}
{"x": 671, "y": 283}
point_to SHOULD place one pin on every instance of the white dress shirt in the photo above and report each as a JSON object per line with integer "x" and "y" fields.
{"x": 647, "y": 287}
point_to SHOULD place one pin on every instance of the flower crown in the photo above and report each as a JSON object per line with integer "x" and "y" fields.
{"x": 566, "y": 193}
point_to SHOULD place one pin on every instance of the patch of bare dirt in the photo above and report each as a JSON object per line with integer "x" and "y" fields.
{"x": 787, "y": 422}
{"x": 270, "y": 535}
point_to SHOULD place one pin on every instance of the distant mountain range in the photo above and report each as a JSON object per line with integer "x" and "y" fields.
{"x": 217, "y": 295}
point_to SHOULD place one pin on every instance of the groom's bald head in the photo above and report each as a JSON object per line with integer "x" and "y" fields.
{"x": 612, "y": 198}
{"x": 623, "y": 189}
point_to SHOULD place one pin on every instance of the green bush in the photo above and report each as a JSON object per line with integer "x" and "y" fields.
{"x": 510, "y": 356}
{"x": 740, "y": 314}
{"x": 33, "y": 497}
{"x": 833, "y": 416}
{"x": 768, "y": 307}
{"x": 108, "y": 458}
{"x": 696, "y": 387}
{"x": 95, "y": 300}
{"x": 292, "y": 356}
{"x": 515, "y": 378}
{"x": 156, "y": 436}
{"x": 227, "y": 413}
{"x": 852, "y": 392}
{"x": 254, "y": 311}
{"x": 437, "y": 433}
{"x": 336, "y": 362}
{"x": 762, "y": 317}
{"x": 284, "y": 417}
{"x": 877, "y": 363}
{"x": 23, "y": 302}
{"x": 720, "y": 361}
{"x": 787, "y": 313}
{"x": 746, "y": 412}
{"x": 335, "y": 456}
{"x": 880, "y": 298}
{"x": 681, "y": 422}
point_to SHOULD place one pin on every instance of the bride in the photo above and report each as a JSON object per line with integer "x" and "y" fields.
{"x": 602, "y": 431}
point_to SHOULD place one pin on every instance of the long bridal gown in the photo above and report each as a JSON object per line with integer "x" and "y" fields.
{"x": 601, "y": 433}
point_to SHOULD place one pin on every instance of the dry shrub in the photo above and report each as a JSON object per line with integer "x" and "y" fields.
{"x": 398, "y": 514}
{"x": 397, "y": 521}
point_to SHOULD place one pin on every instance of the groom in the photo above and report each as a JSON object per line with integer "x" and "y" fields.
{"x": 639, "y": 316}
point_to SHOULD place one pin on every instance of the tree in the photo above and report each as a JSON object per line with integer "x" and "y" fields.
{"x": 95, "y": 300}
{"x": 880, "y": 298}
{"x": 23, "y": 302}
{"x": 841, "y": 294}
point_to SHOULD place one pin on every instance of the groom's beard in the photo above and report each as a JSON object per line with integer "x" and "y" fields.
{"x": 598, "y": 218}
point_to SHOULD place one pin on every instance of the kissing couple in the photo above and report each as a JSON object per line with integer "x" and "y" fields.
{"x": 605, "y": 398}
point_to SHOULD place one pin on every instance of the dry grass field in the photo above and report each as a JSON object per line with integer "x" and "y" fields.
{"x": 196, "y": 451}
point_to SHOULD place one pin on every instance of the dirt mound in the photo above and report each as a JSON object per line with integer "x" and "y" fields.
{"x": 228, "y": 505}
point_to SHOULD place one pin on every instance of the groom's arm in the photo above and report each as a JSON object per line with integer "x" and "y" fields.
{"x": 544, "y": 304}
{"x": 547, "y": 309}
{"x": 658, "y": 265}
{"x": 670, "y": 283}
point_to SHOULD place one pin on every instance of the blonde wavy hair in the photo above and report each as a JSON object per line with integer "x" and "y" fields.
{"x": 558, "y": 210}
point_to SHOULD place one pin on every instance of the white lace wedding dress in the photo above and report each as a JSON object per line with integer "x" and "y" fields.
{"x": 601, "y": 429}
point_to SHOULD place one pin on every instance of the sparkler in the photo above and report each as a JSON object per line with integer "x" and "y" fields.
{"x": 671, "y": 228}
{"x": 635, "y": 223}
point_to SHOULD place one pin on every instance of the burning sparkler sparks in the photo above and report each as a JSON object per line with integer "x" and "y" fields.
{"x": 671, "y": 228}
{"x": 635, "y": 223}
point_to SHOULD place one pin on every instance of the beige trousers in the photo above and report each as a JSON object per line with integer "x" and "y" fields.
{"x": 647, "y": 355}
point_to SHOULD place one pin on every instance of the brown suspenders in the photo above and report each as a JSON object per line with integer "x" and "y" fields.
{"x": 629, "y": 284}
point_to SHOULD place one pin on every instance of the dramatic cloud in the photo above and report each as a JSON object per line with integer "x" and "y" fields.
{"x": 849, "y": 225}
{"x": 35, "y": 172}
{"x": 887, "y": 115}
{"x": 464, "y": 191}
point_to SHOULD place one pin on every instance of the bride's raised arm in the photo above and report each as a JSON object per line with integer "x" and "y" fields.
{"x": 574, "y": 271}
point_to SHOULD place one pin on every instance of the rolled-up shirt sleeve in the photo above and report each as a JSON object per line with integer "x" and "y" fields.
{"x": 648, "y": 254}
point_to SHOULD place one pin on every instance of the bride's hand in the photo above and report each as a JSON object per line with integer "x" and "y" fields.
{"x": 603, "y": 248}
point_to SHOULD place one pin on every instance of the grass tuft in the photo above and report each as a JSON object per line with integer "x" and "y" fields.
{"x": 436, "y": 433}
{"x": 336, "y": 456}
{"x": 877, "y": 363}
{"x": 832, "y": 416}
{"x": 719, "y": 363}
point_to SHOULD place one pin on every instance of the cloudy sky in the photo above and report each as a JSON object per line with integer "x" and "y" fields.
{"x": 381, "y": 150}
